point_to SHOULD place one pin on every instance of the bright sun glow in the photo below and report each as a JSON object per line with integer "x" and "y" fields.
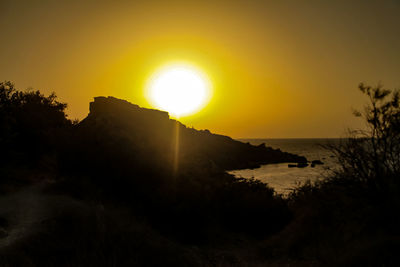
{"x": 179, "y": 89}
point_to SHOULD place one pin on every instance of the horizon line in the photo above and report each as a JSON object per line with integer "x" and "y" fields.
{"x": 266, "y": 138}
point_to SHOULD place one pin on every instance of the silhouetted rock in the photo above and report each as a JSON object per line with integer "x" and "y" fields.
{"x": 317, "y": 162}
{"x": 299, "y": 165}
{"x": 153, "y": 136}
{"x": 302, "y": 165}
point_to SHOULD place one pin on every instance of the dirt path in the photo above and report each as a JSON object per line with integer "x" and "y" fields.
{"x": 23, "y": 211}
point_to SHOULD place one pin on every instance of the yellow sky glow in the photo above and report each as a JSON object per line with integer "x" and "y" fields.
{"x": 278, "y": 69}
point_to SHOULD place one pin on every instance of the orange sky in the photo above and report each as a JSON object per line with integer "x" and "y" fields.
{"x": 279, "y": 68}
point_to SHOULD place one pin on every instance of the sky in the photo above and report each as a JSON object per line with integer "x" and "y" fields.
{"x": 279, "y": 69}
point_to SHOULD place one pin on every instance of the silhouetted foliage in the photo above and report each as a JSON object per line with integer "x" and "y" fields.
{"x": 352, "y": 216}
{"x": 32, "y": 126}
{"x": 373, "y": 155}
{"x": 112, "y": 190}
{"x": 116, "y": 191}
{"x": 28, "y": 115}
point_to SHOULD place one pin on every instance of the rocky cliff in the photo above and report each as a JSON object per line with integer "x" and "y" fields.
{"x": 152, "y": 137}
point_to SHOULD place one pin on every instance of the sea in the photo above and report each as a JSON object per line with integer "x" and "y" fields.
{"x": 284, "y": 179}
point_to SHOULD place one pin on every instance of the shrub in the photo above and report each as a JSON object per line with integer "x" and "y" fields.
{"x": 372, "y": 155}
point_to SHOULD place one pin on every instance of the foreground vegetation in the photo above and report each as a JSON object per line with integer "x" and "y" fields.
{"x": 98, "y": 193}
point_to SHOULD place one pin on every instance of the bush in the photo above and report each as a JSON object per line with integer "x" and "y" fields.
{"x": 372, "y": 155}
{"x": 351, "y": 217}
{"x": 32, "y": 129}
{"x": 29, "y": 121}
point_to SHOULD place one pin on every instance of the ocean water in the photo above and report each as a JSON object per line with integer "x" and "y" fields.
{"x": 282, "y": 178}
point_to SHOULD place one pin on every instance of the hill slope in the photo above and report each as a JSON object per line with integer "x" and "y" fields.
{"x": 153, "y": 136}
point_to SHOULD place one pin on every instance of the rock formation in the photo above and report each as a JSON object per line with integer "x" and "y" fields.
{"x": 152, "y": 137}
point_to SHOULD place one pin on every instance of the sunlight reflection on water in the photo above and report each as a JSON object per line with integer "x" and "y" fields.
{"x": 284, "y": 179}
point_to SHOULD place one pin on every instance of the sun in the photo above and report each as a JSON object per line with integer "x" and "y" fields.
{"x": 180, "y": 89}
